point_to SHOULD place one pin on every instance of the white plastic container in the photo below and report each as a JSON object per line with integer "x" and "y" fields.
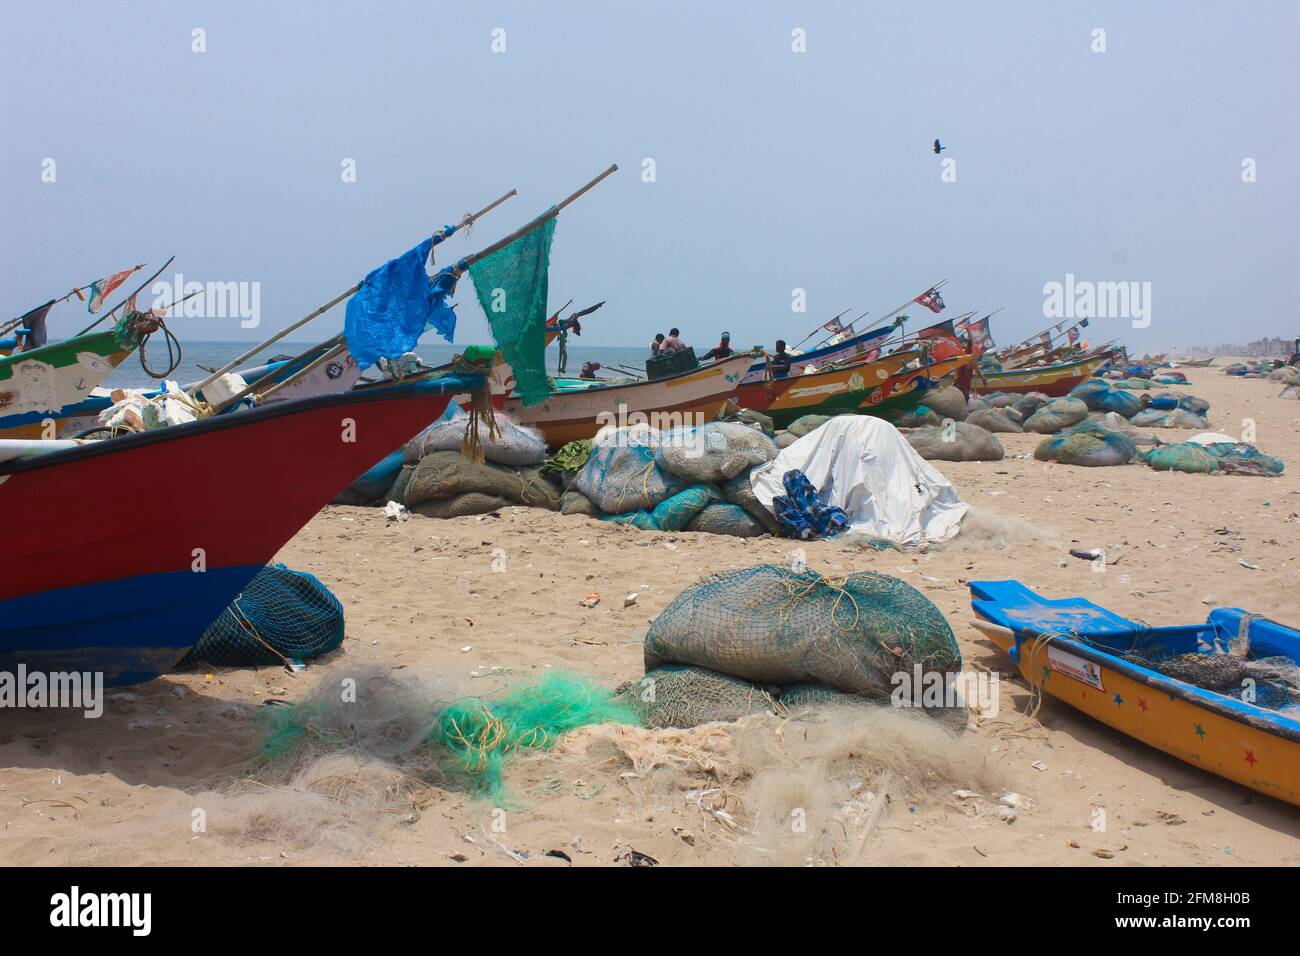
{"x": 227, "y": 386}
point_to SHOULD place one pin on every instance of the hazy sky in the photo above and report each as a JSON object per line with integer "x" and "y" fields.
{"x": 775, "y": 170}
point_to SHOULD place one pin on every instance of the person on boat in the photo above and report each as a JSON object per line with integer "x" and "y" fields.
{"x": 589, "y": 370}
{"x": 673, "y": 343}
{"x": 719, "y": 351}
{"x": 657, "y": 345}
{"x": 779, "y": 361}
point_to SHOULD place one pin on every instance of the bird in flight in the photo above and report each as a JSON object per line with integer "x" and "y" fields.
{"x": 938, "y": 148}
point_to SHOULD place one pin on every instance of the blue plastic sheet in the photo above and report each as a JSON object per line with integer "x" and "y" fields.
{"x": 396, "y": 304}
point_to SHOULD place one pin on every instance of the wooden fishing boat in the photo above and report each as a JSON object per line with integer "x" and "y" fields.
{"x": 883, "y": 387}
{"x": 688, "y": 398}
{"x": 1117, "y": 671}
{"x": 39, "y": 388}
{"x": 848, "y": 350}
{"x": 1053, "y": 380}
{"x": 124, "y": 580}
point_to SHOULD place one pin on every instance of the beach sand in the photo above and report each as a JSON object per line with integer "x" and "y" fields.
{"x": 150, "y": 782}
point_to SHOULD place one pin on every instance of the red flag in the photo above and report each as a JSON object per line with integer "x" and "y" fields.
{"x": 980, "y": 339}
{"x": 942, "y": 341}
{"x": 931, "y": 300}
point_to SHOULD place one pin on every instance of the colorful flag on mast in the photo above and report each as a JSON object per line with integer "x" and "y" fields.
{"x": 931, "y": 300}
{"x": 104, "y": 287}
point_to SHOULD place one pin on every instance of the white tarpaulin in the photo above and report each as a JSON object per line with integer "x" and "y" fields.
{"x": 863, "y": 465}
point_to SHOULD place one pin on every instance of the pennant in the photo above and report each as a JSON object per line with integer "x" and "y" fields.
{"x": 104, "y": 287}
{"x": 833, "y": 326}
{"x": 396, "y": 304}
{"x": 931, "y": 300}
{"x": 1072, "y": 336}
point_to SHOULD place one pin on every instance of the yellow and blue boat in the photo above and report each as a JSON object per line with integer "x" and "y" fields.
{"x": 1119, "y": 671}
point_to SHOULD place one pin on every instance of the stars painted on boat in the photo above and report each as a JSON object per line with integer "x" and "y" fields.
{"x": 1200, "y": 731}
{"x": 1250, "y": 758}
{"x": 1142, "y": 704}
{"x": 1047, "y": 672}
{"x": 1119, "y": 701}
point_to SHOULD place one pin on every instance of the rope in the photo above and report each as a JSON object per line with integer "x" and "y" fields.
{"x": 144, "y": 325}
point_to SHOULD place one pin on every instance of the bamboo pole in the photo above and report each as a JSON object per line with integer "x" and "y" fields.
{"x": 819, "y": 329}
{"x": 329, "y": 345}
{"x": 524, "y": 230}
{"x": 468, "y": 220}
{"x": 317, "y": 363}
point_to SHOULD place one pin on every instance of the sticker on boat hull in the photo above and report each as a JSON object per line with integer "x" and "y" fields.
{"x": 1072, "y": 666}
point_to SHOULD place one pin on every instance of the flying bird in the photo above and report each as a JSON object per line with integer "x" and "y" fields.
{"x": 938, "y": 148}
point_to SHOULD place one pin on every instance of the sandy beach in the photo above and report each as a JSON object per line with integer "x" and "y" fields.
{"x": 171, "y": 774}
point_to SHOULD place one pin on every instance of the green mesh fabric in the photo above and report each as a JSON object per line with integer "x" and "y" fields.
{"x": 481, "y": 735}
{"x": 511, "y": 285}
{"x": 678, "y": 696}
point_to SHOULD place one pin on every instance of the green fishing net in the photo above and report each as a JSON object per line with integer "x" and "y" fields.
{"x": 512, "y": 285}
{"x": 481, "y": 735}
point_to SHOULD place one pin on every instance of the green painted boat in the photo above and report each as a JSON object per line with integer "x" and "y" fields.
{"x": 42, "y": 388}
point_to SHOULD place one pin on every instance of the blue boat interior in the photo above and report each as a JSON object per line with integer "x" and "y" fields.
{"x": 1012, "y": 605}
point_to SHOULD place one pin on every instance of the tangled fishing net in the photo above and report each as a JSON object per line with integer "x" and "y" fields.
{"x": 279, "y": 616}
{"x": 481, "y": 735}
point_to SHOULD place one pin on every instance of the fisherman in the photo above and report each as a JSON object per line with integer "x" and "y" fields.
{"x": 673, "y": 343}
{"x": 657, "y": 345}
{"x": 779, "y": 361}
{"x": 719, "y": 351}
{"x": 589, "y": 370}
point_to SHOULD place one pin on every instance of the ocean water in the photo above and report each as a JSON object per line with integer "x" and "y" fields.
{"x": 195, "y": 355}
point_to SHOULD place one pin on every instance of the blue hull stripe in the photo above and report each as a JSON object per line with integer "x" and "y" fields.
{"x": 130, "y": 630}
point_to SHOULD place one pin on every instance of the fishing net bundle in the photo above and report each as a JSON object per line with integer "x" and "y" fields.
{"x": 280, "y": 616}
{"x": 955, "y": 441}
{"x": 1176, "y": 400}
{"x": 728, "y": 519}
{"x": 1187, "y": 457}
{"x": 1287, "y": 374}
{"x": 917, "y": 417}
{"x": 374, "y": 483}
{"x": 995, "y": 420}
{"x": 1089, "y": 445}
{"x": 947, "y": 402}
{"x": 1099, "y": 396}
{"x": 462, "y": 505}
{"x": 807, "y": 423}
{"x": 446, "y": 474}
{"x": 713, "y": 452}
{"x": 676, "y": 695}
{"x": 739, "y": 491}
{"x": 674, "y": 513}
{"x": 511, "y": 285}
{"x": 621, "y": 475}
{"x": 1177, "y": 418}
{"x": 774, "y": 625}
{"x": 1055, "y": 415}
{"x": 576, "y": 503}
{"x": 1029, "y": 403}
{"x": 508, "y": 443}
{"x": 996, "y": 400}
